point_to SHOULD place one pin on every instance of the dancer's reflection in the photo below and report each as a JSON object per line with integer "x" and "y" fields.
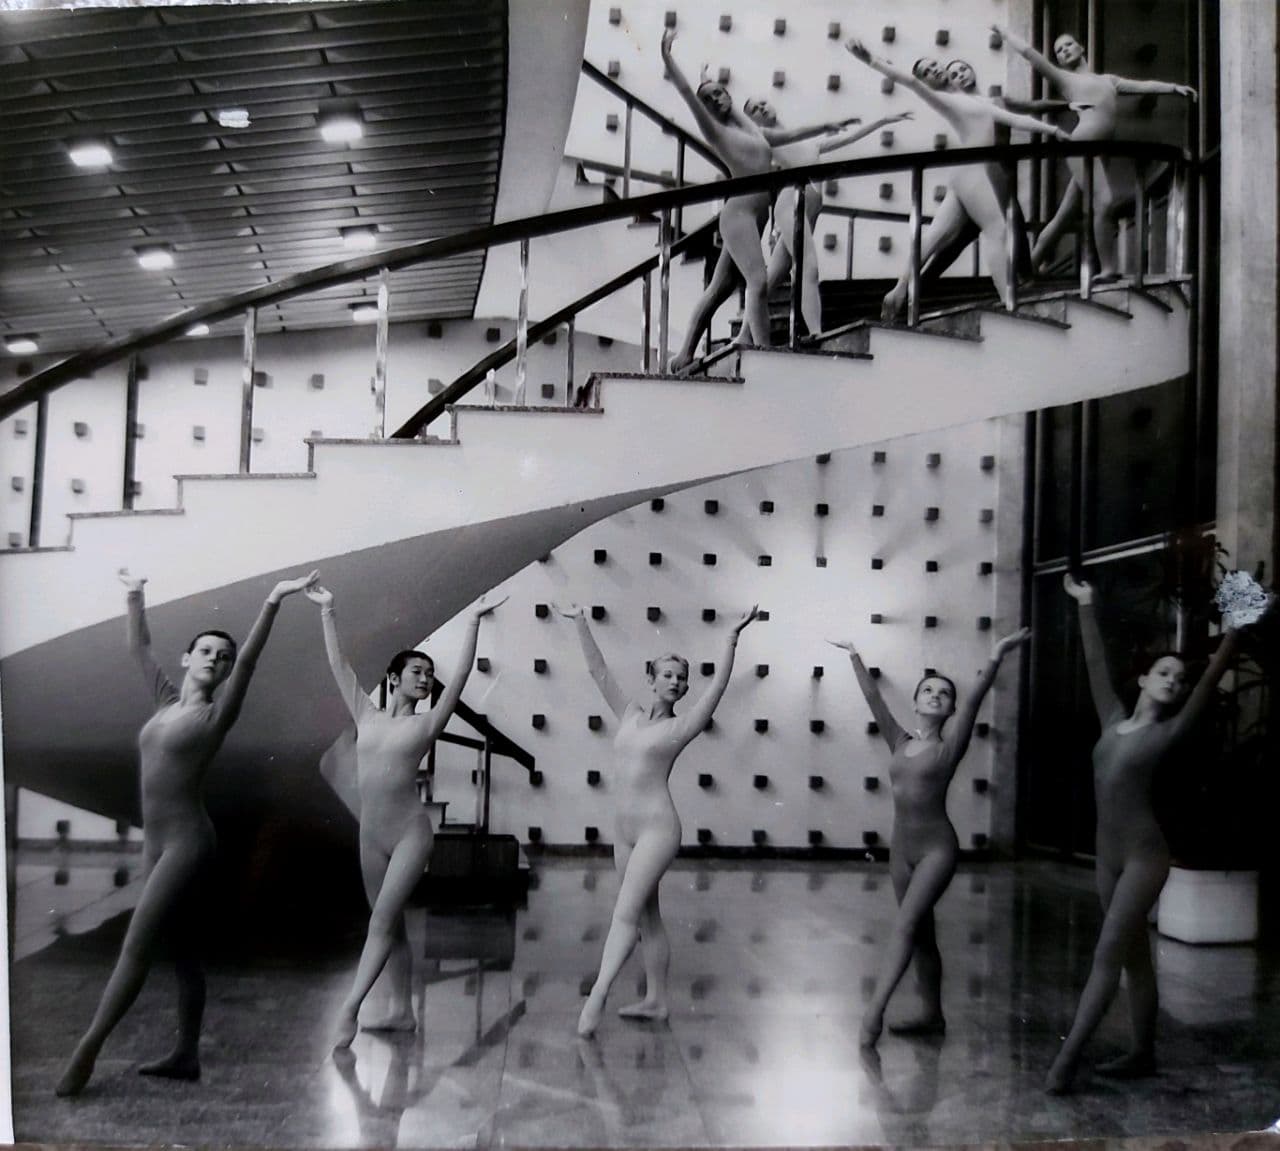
{"x": 904, "y": 1109}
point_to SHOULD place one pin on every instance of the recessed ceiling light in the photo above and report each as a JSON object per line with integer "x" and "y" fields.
{"x": 197, "y": 330}
{"x": 364, "y": 313}
{"x": 340, "y": 121}
{"x": 233, "y": 117}
{"x": 90, "y": 154}
{"x": 21, "y": 344}
{"x": 154, "y": 257}
{"x": 361, "y": 238}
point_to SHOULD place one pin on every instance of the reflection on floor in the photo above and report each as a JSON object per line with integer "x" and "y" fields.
{"x": 771, "y": 966}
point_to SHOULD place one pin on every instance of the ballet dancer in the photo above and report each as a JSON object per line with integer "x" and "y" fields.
{"x": 745, "y": 152}
{"x": 974, "y": 193}
{"x": 646, "y": 827}
{"x": 1132, "y": 854}
{"x": 924, "y": 848}
{"x": 395, "y": 828}
{"x": 1094, "y": 96}
{"x": 790, "y": 150}
{"x": 176, "y": 746}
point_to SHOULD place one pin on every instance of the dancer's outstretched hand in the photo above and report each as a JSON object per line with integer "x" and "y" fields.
{"x": 1187, "y": 91}
{"x": 290, "y": 586}
{"x": 844, "y": 645}
{"x": 483, "y": 609}
{"x": 899, "y": 116}
{"x": 133, "y": 583}
{"x": 318, "y": 595}
{"x": 570, "y": 611}
{"x": 1079, "y": 590}
{"x": 1009, "y": 642}
{"x": 747, "y": 617}
{"x": 858, "y": 49}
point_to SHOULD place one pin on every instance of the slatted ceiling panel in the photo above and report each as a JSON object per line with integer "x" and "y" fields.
{"x": 240, "y": 207}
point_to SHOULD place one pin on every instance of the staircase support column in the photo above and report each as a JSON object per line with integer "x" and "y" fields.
{"x": 246, "y": 389}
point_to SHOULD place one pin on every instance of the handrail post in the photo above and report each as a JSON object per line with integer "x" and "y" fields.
{"x": 848, "y": 250}
{"x": 380, "y": 355}
{"x": 522, "y": 324}
{"x": 913, "y": 253}
{"x": 646, "y": 321}
{"x": 37, "y": 471}
{"x": 130, "y": 434}
{"x": 246, "y": 388}
{"x": 664, "y": 288}
{"x": 568, "y": 364}
{"x": 679, "y": 213}
{"x": 488, "y": 766}
{"x": 1140, "y": 225}
{"x": 1086, "y": 224}
{"x": 1011, "y": 233}
{"x": 797, "y": 268}
{"x": 626, "y": 153}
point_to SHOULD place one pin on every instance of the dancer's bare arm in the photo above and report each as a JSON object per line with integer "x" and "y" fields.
{"x": 840, "y": 140}
{"x": 1028, "y": 123}
{"x": 1105, "y": 701}
{"x": 596, "y": 666}
{"x": 780, "y": 136}
{"x": 1062, "y": 77}
{"x": 891, "y": 730}
{"x": 353, "y": 696}
{"x": 162, "y": 690}
{"x": 699, "y": 715}
{"x": 448, "y": 701}
{"x": 938, "y": 103}
{"x": 708, "y": 125}
{"x": 1153, "y": 88}
{"x": 960, "y": 729}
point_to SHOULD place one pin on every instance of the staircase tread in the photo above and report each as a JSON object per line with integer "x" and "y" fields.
{"x": 120, "y": 512}
{"x": 37, "y": 551}
{"x": 245, "y": 476}
{"x": 815, "y": 350}
{"x": 1029, "y": 317}
{"x": 668, "y": 376}
{"x": 401, "y": 442}
{"x": 542, "y": 409}
{"x": 881, "y": 325}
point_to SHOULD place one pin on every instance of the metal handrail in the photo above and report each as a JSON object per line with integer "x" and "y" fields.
{"x": 477, "y": 239}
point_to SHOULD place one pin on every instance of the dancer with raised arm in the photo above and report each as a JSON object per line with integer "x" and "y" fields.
{"x": 975, "y": 193}
{"x": 745, "y": 152}
{"x": 1094, "y": 96}
{"x": 1132, "y": 854}
{"x": 176, "y": 746}
{"x": 650, "y": 737}
{"x": 395, "y": 828}
{"x": 924, "y": 848}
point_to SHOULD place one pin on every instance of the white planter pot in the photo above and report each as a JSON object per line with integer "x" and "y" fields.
{"x": 1209, "y": 906}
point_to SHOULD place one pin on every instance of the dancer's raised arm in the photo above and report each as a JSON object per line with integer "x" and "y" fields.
{"x": 890, "y": 729}
{"x": 780, "y": 136}
{"x": 162, "y": 690}
{"x": 596, "y": 666}
{"x": 699, "y": 715}
{"x": 960, "y": 729}
{"x": 843, "y": 139}
{"x": 860, "y": 51}
{"x": 1041, "y": 63}
{"x": 710, "y": 127}
{"x": 228, "y": 702}
{"x": 448, "y": 701}
{"x": 352, "y": 694}
{"x": 1105, "y": 700}
{"x": 1198, "y": 700}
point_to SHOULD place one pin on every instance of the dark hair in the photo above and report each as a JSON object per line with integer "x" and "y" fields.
{"x": 213, "y": 631}
{"x": 709, "y": 82}
{"x": 915, "y": 68}
{"x": 957, "y": 60}
{"x": 396, "y": 666}
{"x": 1146, "y": 660}
{"x": 951, "y": 683}
{"x": 651, "y": 667}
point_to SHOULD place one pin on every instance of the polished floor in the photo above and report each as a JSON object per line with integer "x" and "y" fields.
{"x": 771, "y": 966}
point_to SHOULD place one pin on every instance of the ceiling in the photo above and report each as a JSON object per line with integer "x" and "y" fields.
{"x": 240, "y": 207}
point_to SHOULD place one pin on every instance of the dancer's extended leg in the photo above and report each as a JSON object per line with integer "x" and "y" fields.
{"x": 929, "y": 880}
{"x": 927, "y": 960}
{"x": 397, "y": 1013}
{"x": 386, "y": 922}
{"x": 645, "y": 866}
{"x": 946, "y": 225}
{"x": 183, "y": 1062}
{"x": 783, "y": 259}
{"x": 741, "y": 220}
{"x": 1062, "y": 221}
{"x": 1140, "y": 980}
{"x": 655, "y": 950}
{"x": 1131, "y": 896}
{"x": 171, "y": 876}
{"x": 724, "y": 282}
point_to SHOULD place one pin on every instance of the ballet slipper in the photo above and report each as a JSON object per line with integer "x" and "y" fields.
{"x": 182, "y": 1065}
{"x": 76, "y": 1076}
{"x": 1059, "y": 1079}
{"x": 589, "y": 1020}
{"x": 345, "y": 1032}
{"x": 1130, "y": 1065}
{"x": 645, "y": 1010}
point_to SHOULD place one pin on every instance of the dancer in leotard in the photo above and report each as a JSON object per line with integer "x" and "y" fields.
{"x": 975, "y": 193}
{"x": 176, "y": 746}
{"x": 395, "y": 828}
{"x": 1095, "y": 97}
{"x": 924, "y": 848}
{"x": 745, "y": 152}
{"x": 790, "y": 150}
{"x": 646, "y": 828}
{"x": 1133, "y": 856}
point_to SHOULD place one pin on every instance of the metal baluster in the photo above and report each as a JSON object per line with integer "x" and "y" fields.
{"x": 664, "y": 289}
{"x": 37, "y": 471}
{"x": 848, "y": 250}
{"x": 246, "y": 389}
{"x": 1140, "y": 225}
{"x": 522, "y": 325}
{"x": 646, "y": 321}
{"x": 568, "y": 365}
{"x": 797, "y": 268}
{"x": 1086, "y": 224}
{"x": 1011, "y": 242}
{"x": 913, "y": 255}
{"x": 679, "y": 213}
{"x": 626, "y": 155}
{"x": 488, "y": 768}
{"x": 380, "y": 355}
{"x": 130, "y": 433}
